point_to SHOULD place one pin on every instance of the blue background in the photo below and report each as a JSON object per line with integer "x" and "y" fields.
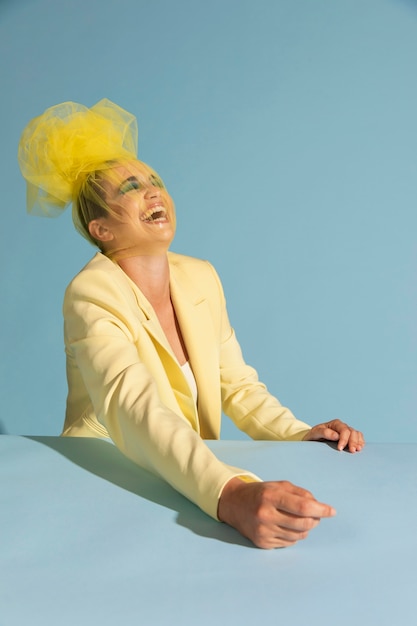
{"x": 286, "y": 132}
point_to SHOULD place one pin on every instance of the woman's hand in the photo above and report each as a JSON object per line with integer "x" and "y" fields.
{"x": 338, "y": 431}
{"x": 271, "y": 514}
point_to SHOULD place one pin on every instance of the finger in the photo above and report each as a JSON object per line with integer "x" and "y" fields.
{"x": 301, "y": 506}
{"x": 344, "y": 434}
{"x": 323, "y": 432}
{"x": 345, "y": 437}
{"x": 290, "y": 536}
{"x": 348, "y": 437}
{"x": 295, "y": 523}
{"x": 273, "y": 542}
{"x": 356, "y": 441}
{"x": 361, "y": 441}
{"x": 279, "y": 537}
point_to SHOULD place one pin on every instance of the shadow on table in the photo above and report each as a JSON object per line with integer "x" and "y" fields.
{"x": 104, "y": 460}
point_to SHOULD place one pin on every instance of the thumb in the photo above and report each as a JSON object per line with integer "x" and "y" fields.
{"x": 323, "y": 432}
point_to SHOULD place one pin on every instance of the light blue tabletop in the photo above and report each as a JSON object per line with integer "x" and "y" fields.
{"x": 89, "y": 538}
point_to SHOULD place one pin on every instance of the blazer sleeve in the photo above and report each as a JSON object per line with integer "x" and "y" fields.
{"x": 102, "y": 340}
{"x": 245, "y": 399}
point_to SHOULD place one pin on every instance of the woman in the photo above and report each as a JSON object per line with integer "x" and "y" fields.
{"x": 151, "y": 357}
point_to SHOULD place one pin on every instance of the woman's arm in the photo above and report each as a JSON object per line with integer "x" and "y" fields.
{"x": 102, "y": 339}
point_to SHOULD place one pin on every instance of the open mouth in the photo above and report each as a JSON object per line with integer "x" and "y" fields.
{"x": 154, "y": 214}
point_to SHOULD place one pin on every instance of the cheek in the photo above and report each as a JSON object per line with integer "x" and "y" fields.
{"x": 126, "y": 213}
{"x": 169, "y": 202}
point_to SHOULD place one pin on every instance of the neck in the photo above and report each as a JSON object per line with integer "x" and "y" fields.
{"x": 151, "y": 275}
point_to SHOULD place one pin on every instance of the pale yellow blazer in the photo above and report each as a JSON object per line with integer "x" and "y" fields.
{"x": 125, "y": 383}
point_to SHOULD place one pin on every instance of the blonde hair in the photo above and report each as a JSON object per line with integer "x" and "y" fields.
{"x": 64, "y": 154}
{"x": 89, "y": 204}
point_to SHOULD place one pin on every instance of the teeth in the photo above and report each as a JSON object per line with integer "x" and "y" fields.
{"x": 153, "y": 214}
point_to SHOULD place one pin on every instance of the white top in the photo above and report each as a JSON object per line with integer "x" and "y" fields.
{"x": 188, "y": 373}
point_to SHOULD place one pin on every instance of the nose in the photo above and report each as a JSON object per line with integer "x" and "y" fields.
{"x": 152, "y": 192}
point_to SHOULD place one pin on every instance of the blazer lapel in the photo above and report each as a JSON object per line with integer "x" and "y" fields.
{"x": 177, "y": 380}
{"x": 193, "y": 313}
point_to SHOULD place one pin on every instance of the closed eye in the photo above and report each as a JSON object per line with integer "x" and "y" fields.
{"x": 156, "y": 181}
{"x": 130, "y": 184}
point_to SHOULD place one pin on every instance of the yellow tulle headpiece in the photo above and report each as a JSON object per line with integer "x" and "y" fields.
{"x": 58, "y": 150}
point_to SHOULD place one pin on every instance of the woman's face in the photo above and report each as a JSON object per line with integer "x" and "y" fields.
{"x": 142, "y": 213}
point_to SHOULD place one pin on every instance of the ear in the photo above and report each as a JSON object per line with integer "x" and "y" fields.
{"x": 99, "y": 230}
